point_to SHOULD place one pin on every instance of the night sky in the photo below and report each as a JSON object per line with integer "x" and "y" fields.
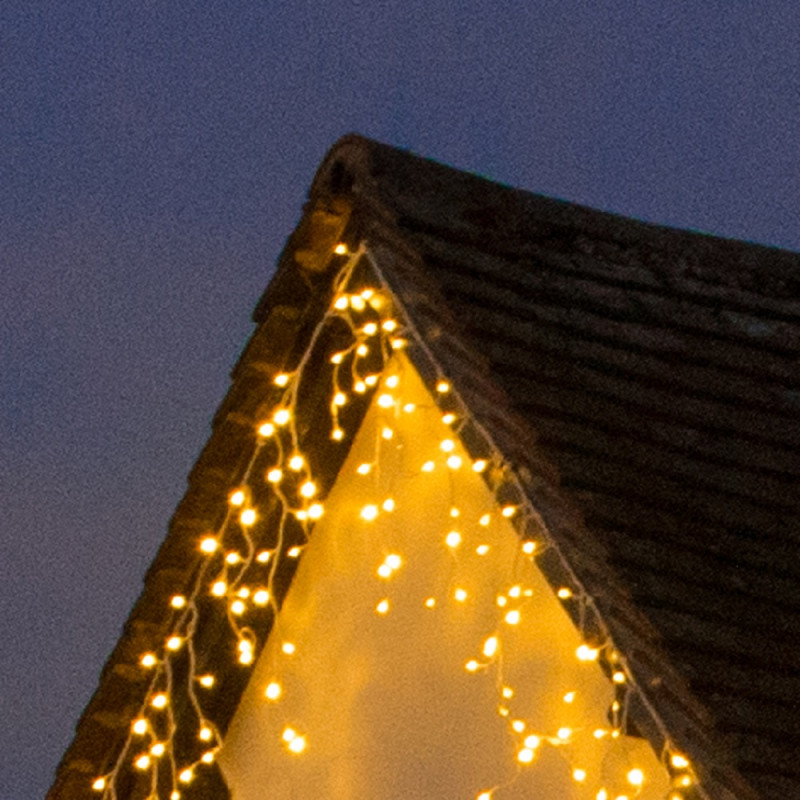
{"x": 156, "y": 154}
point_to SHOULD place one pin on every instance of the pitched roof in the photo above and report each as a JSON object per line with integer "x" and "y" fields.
{"x": 641, "y": 383}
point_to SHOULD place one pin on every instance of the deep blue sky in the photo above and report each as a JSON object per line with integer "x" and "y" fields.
{"x": 156, "y": 154}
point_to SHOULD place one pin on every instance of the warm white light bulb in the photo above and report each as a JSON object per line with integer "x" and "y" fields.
{"x": 273, "y": 691}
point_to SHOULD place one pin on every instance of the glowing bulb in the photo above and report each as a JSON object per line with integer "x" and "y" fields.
{"x": 509, "y": 511}
{"x": 369, "y": 512}
{"x": 382, "y": 607}
{"x": 339, "y": 399}
{"x": 266, "y": 429}
{"x": 388, "y": 504}
{"x": 206, "y": 681}
{"x": 246, "y": 657}
{"x": 586, "y": 653}
{"x": 387, "y": 433}
{"x": 679, "y": 761}
{"x": 602, "y": 795}
{"x": 233, "y": 557}
{"x": 579, "y": 775}
{"x": 564, "y": 593}
{"x": 281, "y": 416}
{"x": 636, "y": 777}
{"x": 298, "y": 744}
{"x": 315, "y": 511}
{"x": 148, "y": 660}
{"x": 359, "y": 387}
{"x": 482, "y": 549}
{"x": 398, "y": 343}
{"x": 185, "y": 776}
{"x": 340, "y": 249}
{"x": 281, "y": 379}
{"x": 515, "y": 591}
{"x": 507, "y": 692}
{"x": 518, "y": 725}
{"x": 288, "y": 648}
{"x": 525, "y": 755}
{"x": 261, "y": 597}
{"x": 237, "y": 607}
{"x": 472, "y": 665}
{"x": 370, "y": 329}
{"x": 532, "y": 741}
{"x": 447, "y": 445}
{"x": 384, "y": 571}
{"x": 449, "y": 418}
{"x": 264, "y": 556}
{"x": 159, "y": 700}
{"x": 274, "y": 475}
{"x": 139, "y": 726}
{"x": 248, "y": 516}
{"x": 175, "y": 795}
{"x": 362, "y": 350}
{"x": 357, "y": 302}
{"x": 371, "y": 380}
{"x": 453, "y": 539}
{"x": 479, "y": 465}
{"x": 442, "y": 387}
{"x": 273, "y": 691}
{"x": 341, "y": 303}
{"x": 394, "y": 561}
{"x": 174, "y": 643}
{"x": 485, "y": 520}
{"x": 386, "y": 401}
{"x": 296, "y": 462}
{"x": 288, "y": 734}
{"x": 454, "y": 462}
{"x": 209, "y": 544}
{"x": 337, "y": 434}
{"x": 393, "y": 381}
{"x": 205, "y": 734}
{"x": 337, "y": 358}
{"x": 428, "y": 466}
{"x": 237, "y": 498}
{"x": 569, "y": 697}
{"x": 528, "y": 548}
{"x": 460, "y": 595}
{"x": 618, "y": 677}
{"x": 409, "y": 407}
{"x": 430, "y": 602}
{"x": 219, "y": 588}
{"x": 389, "y": 325}
{"x": 490, "y": 646}
{"x": 294, "y": 552}
{"x": 512, "y": 618}
{"x": 207, "y": 757}
{"x": 178, "y": 601}
{"x": 99, "y": 784}
{"x": 308, "y": 489}
{"x": 564, "y": 733}
{"x": 484, "y": 796}
{"x": 142, "y": 762}
{"x": 364, "y": 469}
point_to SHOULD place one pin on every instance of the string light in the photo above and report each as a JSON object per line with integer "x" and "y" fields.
{"x": 279, "y": 435}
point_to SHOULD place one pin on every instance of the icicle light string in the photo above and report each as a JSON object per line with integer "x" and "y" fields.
{"x": 510, "y": 477}
{"x": 294, "y": 488}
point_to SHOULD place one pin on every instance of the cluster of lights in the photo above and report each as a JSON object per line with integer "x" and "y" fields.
{"x": 241, "y": 558}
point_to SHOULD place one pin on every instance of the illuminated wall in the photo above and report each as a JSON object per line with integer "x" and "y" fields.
{"x": 419, "y": 652}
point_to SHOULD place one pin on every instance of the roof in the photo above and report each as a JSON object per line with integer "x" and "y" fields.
{"x": 641, "y": 383}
